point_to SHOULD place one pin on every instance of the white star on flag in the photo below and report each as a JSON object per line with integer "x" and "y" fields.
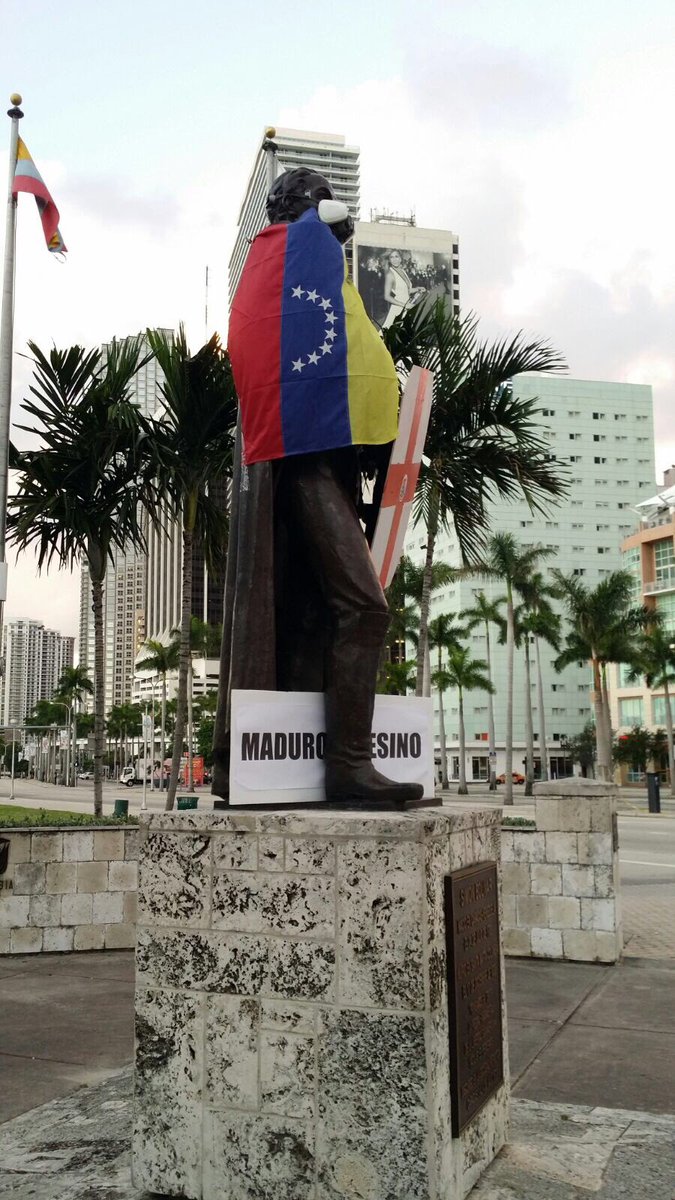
{"x": 325, "y": 303}
{"x": 326, "y": 348}
{"x": 313, "y": 358}
{"x": 330, "y": 333}
{"x": 298, "y": 364}
{"x": 313, "y": 296}
{"x": 331, "y": 317}
{"x": 297, "y": 292}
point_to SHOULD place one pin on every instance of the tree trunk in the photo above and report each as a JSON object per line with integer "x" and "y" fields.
{"x": 441, "y": 731}
{"x": 184, "y": 663}
{"x": 492, "y": 748}
{"x": 543, "y": 751}
{"x": 669, "y": 733}
{"x": 162, "y": 739}
{"x": 74, "y": 750}
{"x": 191, "y": 775}
{"x": 529, "y": 730}
{"x": 462, "y": 789}
{"x": 608, "y": 717}
{"x": 510, "y": 641}
{"x": 601, "y": 748}
{"x": 99, "y": 688}
{"x": 426, "y": 592}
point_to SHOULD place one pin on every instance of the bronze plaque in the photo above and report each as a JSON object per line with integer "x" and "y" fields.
{"x": 474, "y": 990}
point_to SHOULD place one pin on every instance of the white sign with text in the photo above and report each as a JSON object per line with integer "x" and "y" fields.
{"x": 278, "y": 741}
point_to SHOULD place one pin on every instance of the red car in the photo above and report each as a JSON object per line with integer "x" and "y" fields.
{"x": 515, "y": 776}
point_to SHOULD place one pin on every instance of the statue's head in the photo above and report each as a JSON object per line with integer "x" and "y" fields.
{"x": 294, "y": 192}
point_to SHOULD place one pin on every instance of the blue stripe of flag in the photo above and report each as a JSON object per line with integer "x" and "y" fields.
{"x": 314, "y": 381}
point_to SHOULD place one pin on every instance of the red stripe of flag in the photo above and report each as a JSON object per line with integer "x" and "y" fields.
{"x": 403, "y": 475}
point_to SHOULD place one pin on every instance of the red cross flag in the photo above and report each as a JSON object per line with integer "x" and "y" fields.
{"x": 404, "y": 469}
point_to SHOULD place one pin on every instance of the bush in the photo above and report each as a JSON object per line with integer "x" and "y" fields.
{"x": 13, "y": 817}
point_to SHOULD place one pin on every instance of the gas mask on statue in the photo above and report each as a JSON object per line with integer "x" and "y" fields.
{"x": 294, "y": 192}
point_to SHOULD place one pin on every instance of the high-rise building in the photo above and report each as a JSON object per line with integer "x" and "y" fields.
{"x": 35, "y": 659}
{"x": 649, "y": 554}
{"x": 602, "y": 435}
{"x": 325, "y": 153}
{"x": 124, "y": 587}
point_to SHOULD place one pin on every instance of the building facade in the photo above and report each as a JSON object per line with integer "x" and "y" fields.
{"x": 649, "y": 554}
{"x": 35, "y": 659}
{"x": 285, "y": 149}
{"x": 601, "y": 435}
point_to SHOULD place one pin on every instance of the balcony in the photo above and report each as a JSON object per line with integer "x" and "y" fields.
{"x": 664, "y": 583}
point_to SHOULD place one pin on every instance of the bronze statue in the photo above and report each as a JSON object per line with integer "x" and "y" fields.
{"x": 304, "y": 610}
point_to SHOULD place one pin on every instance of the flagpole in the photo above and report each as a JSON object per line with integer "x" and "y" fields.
{"x": 6, "y": 348}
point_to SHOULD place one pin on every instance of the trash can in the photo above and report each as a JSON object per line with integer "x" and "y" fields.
{"x": 186, "y": 802}
{"x": 121, "y": 808}
{"x": 653, "y": 792}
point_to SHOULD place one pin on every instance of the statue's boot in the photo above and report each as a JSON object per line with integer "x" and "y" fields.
{"x": 353, "y": 663}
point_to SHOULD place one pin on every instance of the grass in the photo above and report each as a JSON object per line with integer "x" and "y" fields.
{"x": 15, "y": 815}
{"x": 518, "y": 823}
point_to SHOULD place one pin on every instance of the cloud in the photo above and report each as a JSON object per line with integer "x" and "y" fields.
{"x": 476, "y": 87}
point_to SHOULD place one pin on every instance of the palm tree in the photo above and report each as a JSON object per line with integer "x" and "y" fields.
{"x": 466, "y": 674}
{"x": 73, "y": 684}
{"x": 531, "y": 625}
{"x": 82, "y": 493}
{"x": 544, "y": 624}
{"x": 159, "y": 659}
{"x": 195, "y": 450}
{"x": 443, "y": 634}
{"x": 486, "y": 612}
{"x": 205, "y": 641}
{"x": 397, "y": 678}
{"x": 605, "y": 625}
{"x": 415, "y": 578}
{"x": 404, "y": 619}
{"x": 656, "y": 661}
{"x": 482, "y": 443}
{"x": 512, "y": 565}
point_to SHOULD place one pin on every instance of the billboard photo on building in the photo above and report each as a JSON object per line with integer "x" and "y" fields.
{"x": 392, "y": 280}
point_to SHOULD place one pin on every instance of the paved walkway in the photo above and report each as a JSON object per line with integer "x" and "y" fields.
{"x": 649, "y": 924}
{"x": 591, "y": 1053}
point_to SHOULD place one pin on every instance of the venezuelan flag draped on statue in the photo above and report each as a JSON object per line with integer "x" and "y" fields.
{"x": 27, "y": 178}
{"x": 311, "y": 371}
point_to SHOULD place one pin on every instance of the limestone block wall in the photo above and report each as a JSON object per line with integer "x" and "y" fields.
{"x": 68, "y": 889}
{"x": 560, "y": 880}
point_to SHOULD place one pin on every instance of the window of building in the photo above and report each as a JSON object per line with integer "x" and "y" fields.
{"x": 599, "y": 460}
{"x": 631, "y": 711}
{"x": 659, "y": 710}
{"x": 623, "y": 672}
{"x": 548, "y": 412}
{"x": 619, "y": 416}
{"x": 598, "y": 416}
{"x": 575, "y": 437}
{"x": 579, "y": 571}
{"x": 599, "y": 437}
{"x": 574, "y": 412}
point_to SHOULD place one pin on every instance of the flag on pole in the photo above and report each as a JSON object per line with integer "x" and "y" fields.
{"x": 27, "y": 178}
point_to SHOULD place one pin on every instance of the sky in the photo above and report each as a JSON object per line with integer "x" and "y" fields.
{"x": 539, "y": 131}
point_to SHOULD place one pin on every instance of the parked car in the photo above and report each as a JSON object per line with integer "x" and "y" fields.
{"x": 86, "y": 775}
{"x": 515, "y": 776}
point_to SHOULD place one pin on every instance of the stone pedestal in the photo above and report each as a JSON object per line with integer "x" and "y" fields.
{"x": 292, "y": 1007}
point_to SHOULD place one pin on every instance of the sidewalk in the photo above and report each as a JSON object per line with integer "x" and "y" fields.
{"x": 591, "y": 1049}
